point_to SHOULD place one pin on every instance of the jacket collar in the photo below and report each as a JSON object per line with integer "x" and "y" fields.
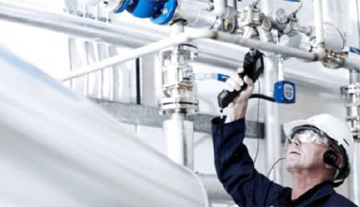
{"x": 316, "y": 194}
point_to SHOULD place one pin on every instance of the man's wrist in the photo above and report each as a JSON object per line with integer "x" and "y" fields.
{"x": 236, "y": 112}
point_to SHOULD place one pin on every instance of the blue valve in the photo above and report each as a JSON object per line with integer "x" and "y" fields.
{"x": 167, "y": 13}
{"x": 284, "y": 92}
{"x": 159, "y": 11}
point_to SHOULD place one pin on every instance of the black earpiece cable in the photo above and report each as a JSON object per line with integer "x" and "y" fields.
{"x": 272, "y": 167}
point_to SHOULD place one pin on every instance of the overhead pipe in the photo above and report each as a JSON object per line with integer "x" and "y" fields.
{"x": 150, "y": 48}
{"x": 113, "y": 34}
{"x": 116, "y": 35}
{"x": 197, "y": 14}
{"x": 73, "y": 25}
{"x": 61, "y": 149}
{"x": 270, "y": 47}
{"x": 185, "y": 37}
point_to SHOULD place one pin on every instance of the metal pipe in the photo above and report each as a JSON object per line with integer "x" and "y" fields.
{"x": 185, "y": 37}
{"x": 72, "y": 25}
{"x": 113, "y": 34}
{"x": 214, "y": 189}
{"x": 319, "y": 28}
{"x": 58, "y": 148}
{"x": 251, "y": 43}
{"x": 222, "y": 9}
{"x": 354, "y": 181}
{"x": 352, "y": 62}
{"x": 354, "y": 76}
{"x": 179, "y": 140}
{"x": 219, "y": 7}
{"x": 197, "y": 13}
{"x": 272, "y": 121}
{"x": 150, "y": 48}
{"x": 179, "y": 133}
{"x": 353, "y": 120}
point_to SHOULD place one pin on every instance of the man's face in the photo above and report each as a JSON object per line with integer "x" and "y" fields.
{"x": 305, "y": 153}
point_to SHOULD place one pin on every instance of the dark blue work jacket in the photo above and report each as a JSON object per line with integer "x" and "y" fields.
{"x": 235, "y": 169}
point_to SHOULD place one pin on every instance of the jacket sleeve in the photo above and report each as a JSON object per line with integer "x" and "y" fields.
{"x": 235, "y": 168}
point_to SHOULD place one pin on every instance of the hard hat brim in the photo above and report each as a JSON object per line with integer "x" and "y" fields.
{"x": 288, "y": 127}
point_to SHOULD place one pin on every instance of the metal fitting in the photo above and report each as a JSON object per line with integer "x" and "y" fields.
{"x": 177, "y": 79}
{"x": 334, "y": 60}
{"x": 352, "y": 96}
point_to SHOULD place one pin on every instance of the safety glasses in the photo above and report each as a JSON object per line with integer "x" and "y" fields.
{"x": 308, "y": 134}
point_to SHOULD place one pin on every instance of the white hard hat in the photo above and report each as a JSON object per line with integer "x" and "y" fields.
{"x": 330, "y": 125}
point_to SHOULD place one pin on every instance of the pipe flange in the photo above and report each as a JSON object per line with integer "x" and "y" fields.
{"x": 186, "y": 104}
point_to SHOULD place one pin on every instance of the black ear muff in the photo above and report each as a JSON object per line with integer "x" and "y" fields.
{"x": 330, "y": 158}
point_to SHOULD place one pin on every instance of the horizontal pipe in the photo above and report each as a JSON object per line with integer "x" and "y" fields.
{"x": 150, "y": 48}
{"x": 270, "y": 47}
{"x": 185, "y": 37}
{"x": 69, "y": 24}
{"x": 116, "y": 35}
{"x": 59, "y": 149}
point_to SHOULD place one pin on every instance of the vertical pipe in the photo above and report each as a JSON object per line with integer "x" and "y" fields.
{"x": 353, "y": 110}
{"x": 179, "y": 139}
{"x": 319, "y": 28}
{"x": 267, "y": 7}
{"x": 318, "y": 20}
{"x": 178, "y": 131}
{"x": 354, "y": 180}
{"x": 272, "y": 123}
{"x": 219, "y": 7}
{"x": 358, "y": 18}
{"x": 354, "y": 76}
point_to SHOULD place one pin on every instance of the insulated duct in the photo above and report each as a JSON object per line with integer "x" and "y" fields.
{"x": 58, "y": 149}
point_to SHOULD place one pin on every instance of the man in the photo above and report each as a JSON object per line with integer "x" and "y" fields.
{"x": 317, "y": 158}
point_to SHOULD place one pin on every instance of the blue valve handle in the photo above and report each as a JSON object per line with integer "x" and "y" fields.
{"x": 253, "y": 67}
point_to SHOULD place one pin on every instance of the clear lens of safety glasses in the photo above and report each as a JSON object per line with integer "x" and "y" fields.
{"x": 309, "y": 135}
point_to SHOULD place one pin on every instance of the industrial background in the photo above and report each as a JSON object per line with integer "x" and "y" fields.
{"x": 109, "y": 102}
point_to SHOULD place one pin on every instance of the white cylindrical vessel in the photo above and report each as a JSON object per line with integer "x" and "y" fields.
{"x": 58, "y": 149}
